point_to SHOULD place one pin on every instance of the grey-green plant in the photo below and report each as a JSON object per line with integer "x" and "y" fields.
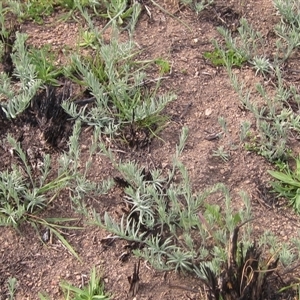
{"x": 120, "y": 13}
{"x": 16, "y": 7}
{"x": 176, "y": 226}
{"x": 24, "y": 193}
{"x": 245, "y": 130}
{"x": 14, "y": 101}
{"x": 93, "y": 291}
{"x": 197, "y": 6}
{"x": 12, "y": 287}
{"x": 69, "y": 162}
{"x": 245, "y": 45}
{"x": 3, "y": 31}
{"x": 275, "y": 117}
{"x": 117, "y": 87}
{"x": 287, "y": 252}
{"x": 34, "y": 10}
{"x": 26, "y": 189}
{"x": 261, "y": 65}
{"x": 289, "y": 27}
{"x": 222, "y": 153}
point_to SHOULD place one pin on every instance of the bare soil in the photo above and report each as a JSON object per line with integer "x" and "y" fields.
{"x": 204, "y": 94}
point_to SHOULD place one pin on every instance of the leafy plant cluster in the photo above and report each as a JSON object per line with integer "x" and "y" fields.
{"x": 287, "y": 184}
{"x": 174, "y": 227}
{"x": 38, "y": 10}
{"x": 28, "y": 189}
{"x": 94, "y": 290}
{"x": 117, "y": 89}
{"x": 276, "y": 117}
{"x": 197, "y": 6}
{"x": 276, "y": 112}
{"x": 117, "y": 84}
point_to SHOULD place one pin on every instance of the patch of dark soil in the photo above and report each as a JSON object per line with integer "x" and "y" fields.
{"x": 51, "y": 118}
{"x": 222, "y": 15}
{"x": 135, "y": 137}
{"x": 42, "y": 128}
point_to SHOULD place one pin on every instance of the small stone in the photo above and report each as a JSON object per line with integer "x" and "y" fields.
{"x": 208, "y": 112}
{"x": 78, "y": 277}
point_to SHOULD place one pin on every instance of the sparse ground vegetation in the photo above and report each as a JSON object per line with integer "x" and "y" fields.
{"x": 87, "y": 131}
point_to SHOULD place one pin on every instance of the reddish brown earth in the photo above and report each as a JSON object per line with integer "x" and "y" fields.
{"x": 204, "y": 94}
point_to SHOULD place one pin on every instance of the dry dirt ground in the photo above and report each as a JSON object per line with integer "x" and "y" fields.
{"x": 204, "y": 93}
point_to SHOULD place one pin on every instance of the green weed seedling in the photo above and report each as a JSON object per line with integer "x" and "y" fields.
{"x": 287, "y": 184}
{"x": 163, "y": 65}
{"x": 88, "y": 39}
{"x": 44, "y": 61}
{"x": 93, "y": 291}
{"x": 230, "y": 57}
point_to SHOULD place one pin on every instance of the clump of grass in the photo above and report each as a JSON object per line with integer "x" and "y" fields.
{"x": 118, "y": 89}
{"x": 93, "y": 290}
{"x": 287, "y": 184}
{"x": 44, "y": 61}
